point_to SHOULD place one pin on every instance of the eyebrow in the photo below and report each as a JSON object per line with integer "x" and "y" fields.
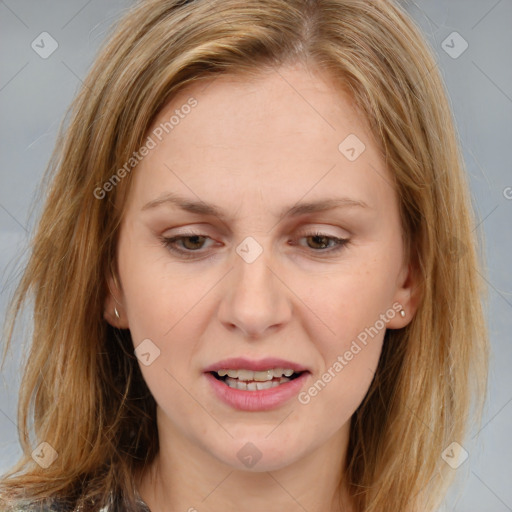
{"x": 200, "y": 207}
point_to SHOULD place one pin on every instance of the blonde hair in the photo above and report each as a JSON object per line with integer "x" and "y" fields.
{"x": 82, "y": 384}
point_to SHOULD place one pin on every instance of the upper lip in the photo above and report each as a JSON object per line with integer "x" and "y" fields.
{"x": 242, "y": 363}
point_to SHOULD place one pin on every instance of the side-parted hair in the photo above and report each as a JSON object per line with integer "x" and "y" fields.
{"x": 82, "y": 390}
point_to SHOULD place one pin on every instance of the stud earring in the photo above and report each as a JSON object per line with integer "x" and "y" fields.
{"x": 116, "y": 312}
{"x": 402, "y": 313}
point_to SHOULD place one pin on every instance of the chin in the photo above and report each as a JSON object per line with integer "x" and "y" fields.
{"x": 258, "y": 453}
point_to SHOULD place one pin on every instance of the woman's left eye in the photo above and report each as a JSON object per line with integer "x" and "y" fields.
{"x": 324, "y": 240}
{"x": 192, "y": 243}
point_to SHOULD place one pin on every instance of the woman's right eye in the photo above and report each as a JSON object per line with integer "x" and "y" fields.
{"x": 192, "y": 242}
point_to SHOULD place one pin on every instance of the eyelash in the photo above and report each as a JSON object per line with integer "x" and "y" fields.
{"x": 169, "y": 242}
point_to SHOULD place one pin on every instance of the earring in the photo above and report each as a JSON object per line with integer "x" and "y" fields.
{"x": 116, "y": 312}
{"x": 402, "y": 313}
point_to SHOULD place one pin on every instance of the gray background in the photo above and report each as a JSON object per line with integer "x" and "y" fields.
{"x": 34, "y": 93}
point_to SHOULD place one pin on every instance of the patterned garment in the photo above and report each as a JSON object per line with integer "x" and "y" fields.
{"x": 56, "y": 507}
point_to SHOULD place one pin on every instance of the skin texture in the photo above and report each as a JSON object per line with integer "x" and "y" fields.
{"x": 254, "y": 147}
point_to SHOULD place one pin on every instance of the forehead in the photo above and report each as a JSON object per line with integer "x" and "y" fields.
{"x": 266, "y": 104}
{"x": 286, "y": 131}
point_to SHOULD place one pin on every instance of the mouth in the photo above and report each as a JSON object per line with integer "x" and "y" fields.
{"x": 249, "y": 380}
{"x": 256, "y": 385}
{"x": 250, "y": 384}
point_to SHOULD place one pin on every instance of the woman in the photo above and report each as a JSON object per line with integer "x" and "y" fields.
{"x": 255, "y": 279}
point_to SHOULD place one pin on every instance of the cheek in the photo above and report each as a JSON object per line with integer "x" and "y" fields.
{"x": 348, "y": 303}
{"x": 156, "y": 297}
{"x": 164, "y": 306}
{"x": 342, "y": 382}
{"x": 351, "y": 309}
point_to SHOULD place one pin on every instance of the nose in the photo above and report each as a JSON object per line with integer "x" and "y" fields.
{"x": 255, "y": 298}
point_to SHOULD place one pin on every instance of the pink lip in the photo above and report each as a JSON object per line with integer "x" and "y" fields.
{"x": 241, "y": 363}
{"x": 261, "y": 400}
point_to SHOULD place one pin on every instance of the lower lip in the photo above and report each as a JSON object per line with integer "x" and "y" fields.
{"x": 259, "y": 400}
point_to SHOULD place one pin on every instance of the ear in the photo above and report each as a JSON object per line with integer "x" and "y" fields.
{"x": 407, "y": 296}
{"x": 113, "y": 302}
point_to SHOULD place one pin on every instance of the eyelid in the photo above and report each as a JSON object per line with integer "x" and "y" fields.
{"x": 340, "y": 241}
{"x": 322, "y": 229}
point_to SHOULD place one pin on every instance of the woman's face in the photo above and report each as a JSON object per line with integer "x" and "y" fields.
{"x": 223, "y": 266}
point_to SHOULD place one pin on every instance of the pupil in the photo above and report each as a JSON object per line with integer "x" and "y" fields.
{"x": 318, "y": 237}
{"x": 194, "y": 242}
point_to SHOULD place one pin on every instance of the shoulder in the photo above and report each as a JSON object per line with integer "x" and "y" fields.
{"x": 31, "y": 504}
{"x": 53, "y": 506}
{"x": 31, "y": 507}
{"x": 35, "y": 507}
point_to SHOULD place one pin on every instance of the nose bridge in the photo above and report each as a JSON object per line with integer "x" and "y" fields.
{"x": 253, "y": 262}
{"x": 255, "y": 299}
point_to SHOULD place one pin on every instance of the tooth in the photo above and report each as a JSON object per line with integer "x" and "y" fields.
{"x": 263, "y": 376}
{"x": 245, "y": 375}
{"x": 241, "y": 385}
{"x": 264, "y": 385}
{"x": 278, "y": 372}
{"x": 254, "y": 386}
{"x": 247, "y": 380}
{"x": 231, "y": 383}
